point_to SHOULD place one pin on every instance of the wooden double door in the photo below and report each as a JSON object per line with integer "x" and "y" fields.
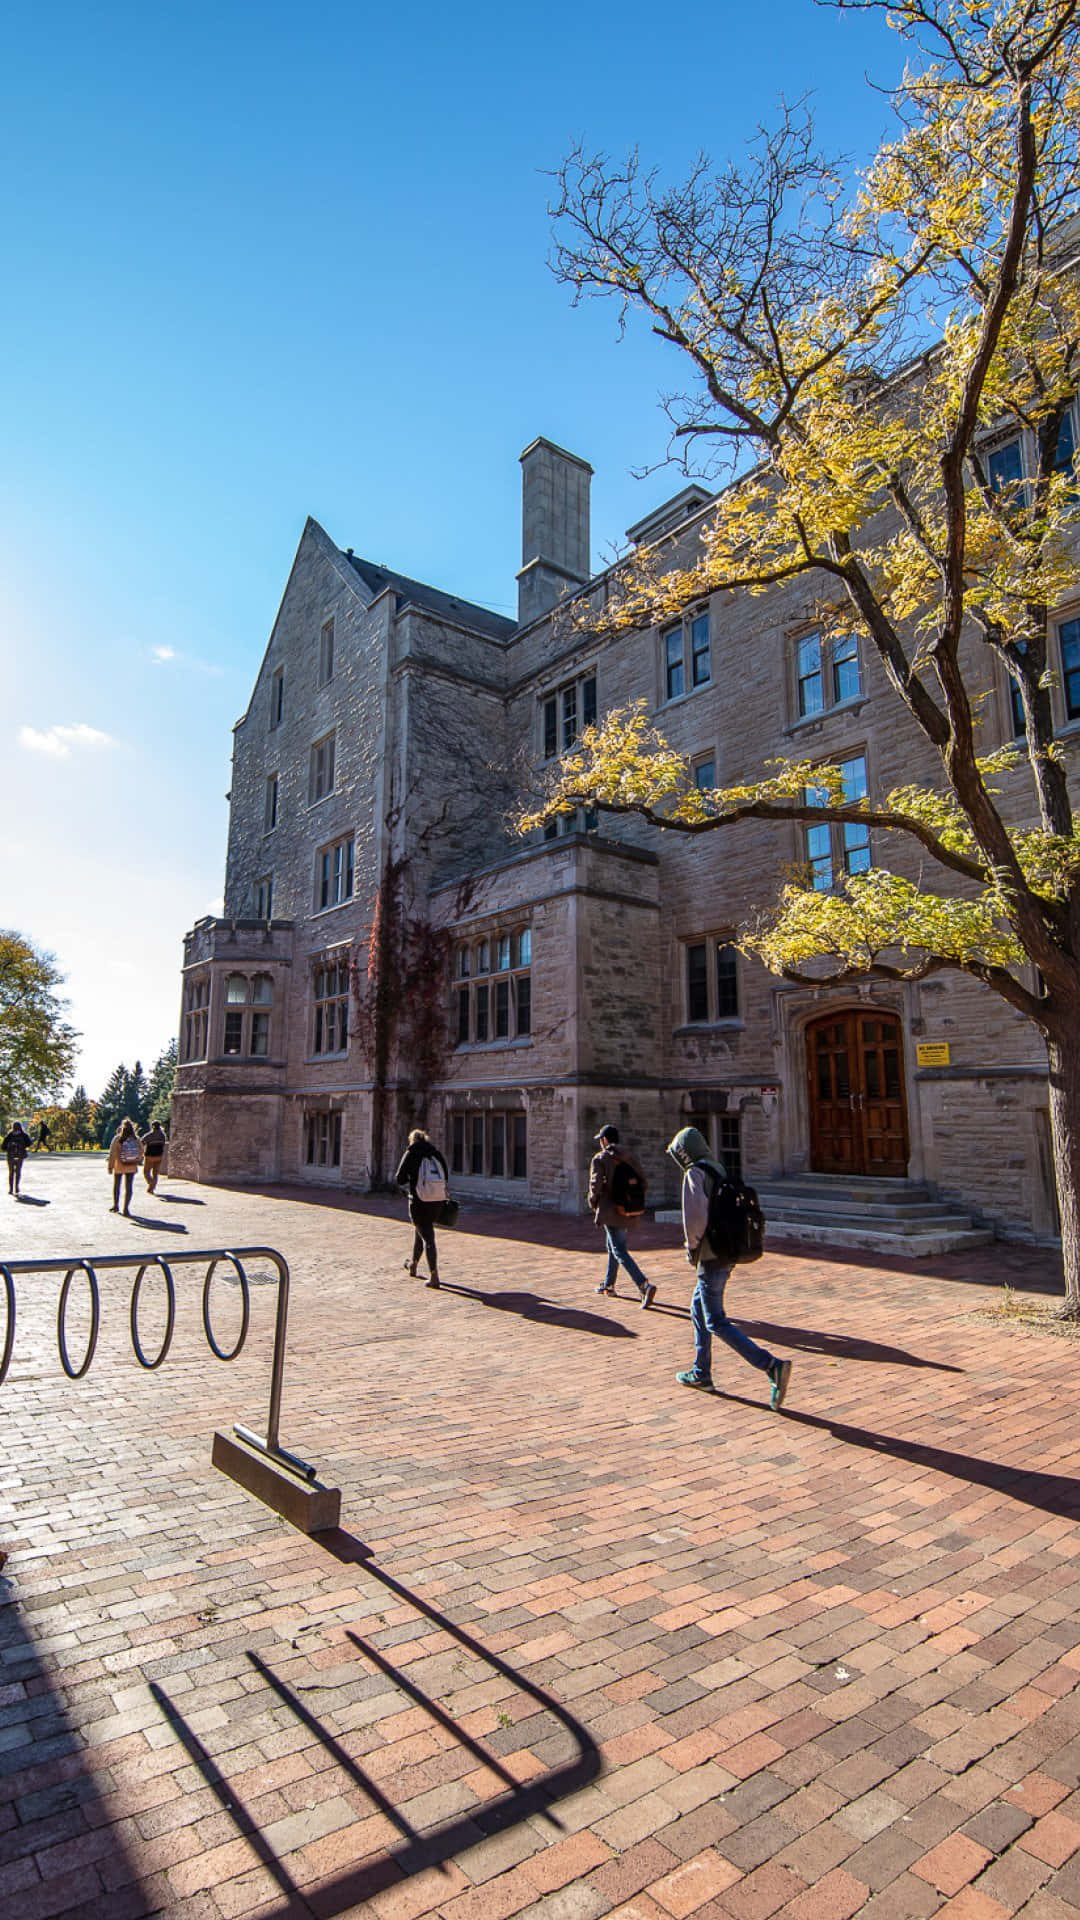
{"x": 858, "y": 1110}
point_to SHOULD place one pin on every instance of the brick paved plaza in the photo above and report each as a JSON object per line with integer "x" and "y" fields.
{"x": 586, "y": 1643}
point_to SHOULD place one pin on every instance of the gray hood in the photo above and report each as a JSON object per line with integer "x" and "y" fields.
{"x": 688, "y": 1147}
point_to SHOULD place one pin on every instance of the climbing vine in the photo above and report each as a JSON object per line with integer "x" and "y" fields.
{"x": 400, "y": 1004}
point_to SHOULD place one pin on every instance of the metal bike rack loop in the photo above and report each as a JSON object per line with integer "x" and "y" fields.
{"x": 211, "y": 1258}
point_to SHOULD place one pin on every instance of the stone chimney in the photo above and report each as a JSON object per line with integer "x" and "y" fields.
{"x": 554, "y": 527}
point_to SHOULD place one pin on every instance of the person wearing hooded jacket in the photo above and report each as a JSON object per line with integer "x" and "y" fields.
{"x": 690, "y": 1152}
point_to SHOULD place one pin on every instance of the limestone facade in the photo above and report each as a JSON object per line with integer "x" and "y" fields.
{"x": 589, "y": 976}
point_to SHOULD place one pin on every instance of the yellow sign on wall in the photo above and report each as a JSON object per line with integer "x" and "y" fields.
{"x": 932, "y": 1053}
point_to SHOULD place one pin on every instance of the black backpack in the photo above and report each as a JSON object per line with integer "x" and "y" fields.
{"x": 627, "y": 1188}
{"x": 736, "y": 1228}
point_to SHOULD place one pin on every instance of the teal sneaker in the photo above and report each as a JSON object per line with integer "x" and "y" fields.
{"x": 692, "y": 1379}
{"x": 779, "y": 1374}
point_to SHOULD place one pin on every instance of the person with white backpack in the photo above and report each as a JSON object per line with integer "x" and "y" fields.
{"x": 422, "y": 1171}
{"x": 125, "y": 1158}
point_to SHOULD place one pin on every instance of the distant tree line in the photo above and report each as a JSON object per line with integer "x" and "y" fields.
{"x": 38, "y": 1050}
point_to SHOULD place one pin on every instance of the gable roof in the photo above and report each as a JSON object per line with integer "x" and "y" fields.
{"x": 414, "y": 593}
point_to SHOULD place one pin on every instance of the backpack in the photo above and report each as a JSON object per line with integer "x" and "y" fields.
{"x": 430, "y": 1181}
{"x": 736, "y": 1224}
{"x": 129, "y": 1152}
{"x": 628, "y": 1189}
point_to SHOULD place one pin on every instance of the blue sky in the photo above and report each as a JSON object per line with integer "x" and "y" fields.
{"x": 265, "y": 261}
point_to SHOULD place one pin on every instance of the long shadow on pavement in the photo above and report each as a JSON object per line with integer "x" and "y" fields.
{"x": 1052, "y": 1492}
{"x": 418, "y": 1851}
{"x": 49, "y": 1799}
{"x": 531, "y": 1307}
{"x": 838, "y": 1346}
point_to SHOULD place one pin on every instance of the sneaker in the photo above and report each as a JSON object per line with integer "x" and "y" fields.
{"x": 433, "y": 1282}
{"x": 604, "y": 1288}
{"x": 692, "y": 1379}
{"x": 779, "y": 1374}
{"x": 648, "y": 1296}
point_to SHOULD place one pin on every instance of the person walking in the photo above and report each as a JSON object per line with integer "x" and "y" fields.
{"x": 690, "y": 1152}
{"x": 44, "y": 1134}
{"x": 125, "y": 1158}
{"x": 608, "y": 1189}
{"x": 154, "y": 1143}
{"x": 423, "y": 1173}
{"x": 16, "y": 1144}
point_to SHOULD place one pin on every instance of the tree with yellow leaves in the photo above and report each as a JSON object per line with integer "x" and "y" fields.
{"x": 851, "y": 349}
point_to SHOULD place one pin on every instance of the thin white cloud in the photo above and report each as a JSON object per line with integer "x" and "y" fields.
{"x": 60, "y": 742}
{"x": 169, "y": 656}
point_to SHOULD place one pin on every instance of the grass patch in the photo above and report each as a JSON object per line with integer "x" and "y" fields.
{"x": 1028, "y": 1313}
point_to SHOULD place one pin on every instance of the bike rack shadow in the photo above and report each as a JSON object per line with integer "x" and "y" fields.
{"x": 417, "y": 1851}
{"x": 46, "y": 1766}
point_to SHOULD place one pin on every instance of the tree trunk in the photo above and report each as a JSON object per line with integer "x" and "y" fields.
{"x": 1064, "y": 1057}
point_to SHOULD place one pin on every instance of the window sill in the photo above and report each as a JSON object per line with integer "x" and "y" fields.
{"x": 493, "y": 1046}
{"x": 852, "y": 704}
{"x": 319, "y": 913}
{"x": 321, "y": 801}
{"x": 731, "y": 1023}
{"x": 320, "y": 1059}
{"x": 677, "y": 699}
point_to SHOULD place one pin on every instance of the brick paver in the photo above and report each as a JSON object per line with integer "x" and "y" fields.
{"x": 585, "y": 1644}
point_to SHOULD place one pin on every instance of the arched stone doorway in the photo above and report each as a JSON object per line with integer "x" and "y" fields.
{"x": 857, "y": 1099}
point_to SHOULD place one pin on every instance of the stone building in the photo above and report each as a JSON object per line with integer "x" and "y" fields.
{"x": 589, "y": 975}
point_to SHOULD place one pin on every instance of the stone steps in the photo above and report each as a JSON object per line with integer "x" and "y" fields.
{"x": 873, "y": 1215}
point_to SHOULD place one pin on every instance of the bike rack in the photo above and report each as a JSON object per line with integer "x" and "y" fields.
{"x": 164, "y": 1264}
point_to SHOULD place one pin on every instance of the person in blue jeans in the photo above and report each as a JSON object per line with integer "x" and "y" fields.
{"x": 611, "y": 1218}
{"x": 690, "y": 1152}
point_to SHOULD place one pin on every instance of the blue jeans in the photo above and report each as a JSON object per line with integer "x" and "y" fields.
{"x": 617, "y": 1256}
{"x": 708, "y": 1317}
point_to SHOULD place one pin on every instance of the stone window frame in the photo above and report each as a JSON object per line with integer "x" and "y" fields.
{"x": 718, "y": 973}
{"x": 682, "y": 654}
{"x": 701, "y": 764}
{"x": 277, "y": 698}
{"x": 831, "y": 849}
{"x": 322, "y": 767}
{"x": 262, "y": 897}
{"x": 489, "y": 1143}
{"x": 335, "y": 873}
{"x": 247, "y": 1015}
{"x": 327, "y": 633}
{"x": 322, "y": 1138}
{"x": 330, "y": 1007}
{"x": 271, "y": 802}
{"x": 830, "y": 663}
{"x": 565, "y": 710}
{"x": 195, "y": 1030}
{"x": 1014, "y": 438}
{"x": 491, "y": 997}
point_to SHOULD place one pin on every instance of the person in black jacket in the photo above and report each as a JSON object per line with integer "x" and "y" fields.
{"x": 16, "y": 1145}
{"x": 422, "y": 1171}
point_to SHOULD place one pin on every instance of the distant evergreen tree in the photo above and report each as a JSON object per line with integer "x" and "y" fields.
{"x": 162, "y": 1078}
{"x": 81, "y": 1116}
{"x": 138, "y": 1097}
{"x": 113, "y": 1105}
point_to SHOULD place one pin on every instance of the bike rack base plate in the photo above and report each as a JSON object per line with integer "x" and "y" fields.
{"x": 305, "y": 1504}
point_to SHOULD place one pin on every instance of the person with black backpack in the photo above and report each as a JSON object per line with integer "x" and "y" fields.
{"x": 617, "y": 1196}
{"x": 722, "y": 1225}
{"x": 422, "y": 1171}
